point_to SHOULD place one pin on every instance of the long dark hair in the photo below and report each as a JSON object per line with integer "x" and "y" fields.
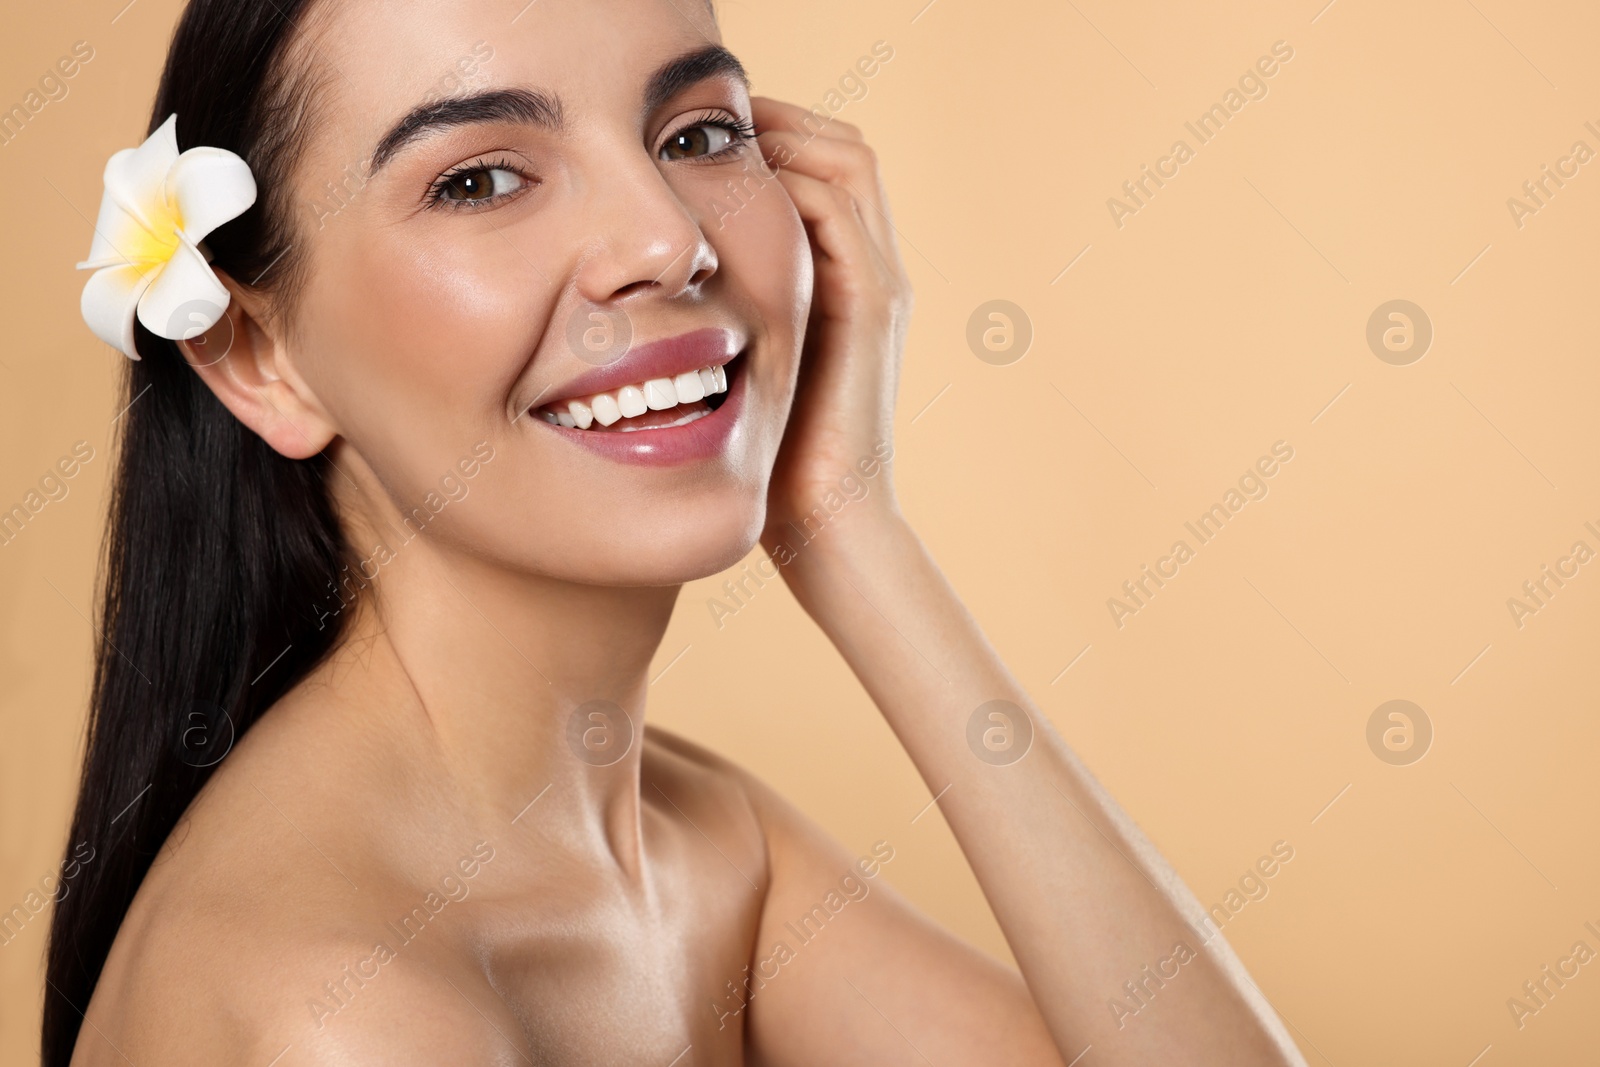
{"x": 219, "y": 552}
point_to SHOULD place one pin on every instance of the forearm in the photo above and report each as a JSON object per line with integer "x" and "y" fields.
{"x": 1084, "y": 900}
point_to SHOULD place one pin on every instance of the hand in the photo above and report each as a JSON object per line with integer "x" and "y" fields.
{"x": 861, "y": 305}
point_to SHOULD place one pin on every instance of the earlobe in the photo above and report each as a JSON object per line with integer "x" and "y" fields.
{"x": 244, "y": 361}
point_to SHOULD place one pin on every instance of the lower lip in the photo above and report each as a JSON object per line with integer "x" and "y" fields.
{"x": 665, "y": 446}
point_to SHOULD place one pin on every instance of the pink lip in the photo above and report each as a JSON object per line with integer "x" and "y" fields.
{"x": 666, "y": 358}
{"x": 665, "y": 446}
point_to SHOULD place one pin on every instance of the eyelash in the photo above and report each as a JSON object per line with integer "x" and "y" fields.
{"x": 436, "y": 191}
{"x": 742, "y": 129}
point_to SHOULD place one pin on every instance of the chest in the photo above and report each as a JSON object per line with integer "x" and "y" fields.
{"x": 598, "y": 971}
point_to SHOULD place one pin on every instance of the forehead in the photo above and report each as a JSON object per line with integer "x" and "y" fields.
{"x": 380, "y": 58}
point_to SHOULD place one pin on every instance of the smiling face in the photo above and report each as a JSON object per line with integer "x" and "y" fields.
{"x": 506, "y": 213}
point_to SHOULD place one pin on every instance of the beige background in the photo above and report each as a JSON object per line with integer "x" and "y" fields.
{"x": 1229, "y": 313}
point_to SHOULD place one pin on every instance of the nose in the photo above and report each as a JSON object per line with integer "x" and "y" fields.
{"x": 642, "y": 236}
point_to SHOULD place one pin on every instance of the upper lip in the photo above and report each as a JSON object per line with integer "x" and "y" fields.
{"x": 667, "y": 357}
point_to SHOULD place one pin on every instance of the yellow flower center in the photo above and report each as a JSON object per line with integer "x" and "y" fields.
{"x": 157, "y": 244}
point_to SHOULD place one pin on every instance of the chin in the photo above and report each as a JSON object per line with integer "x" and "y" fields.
{"x": 693, "y": 544}
{"x": 668, "y": 544}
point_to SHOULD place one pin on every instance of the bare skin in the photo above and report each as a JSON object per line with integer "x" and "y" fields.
{"x": 563, "y": 911}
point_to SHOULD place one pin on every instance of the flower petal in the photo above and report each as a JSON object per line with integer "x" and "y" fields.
{"x": 207, "y": 187}
{"x": 137, "y": 176}
{"x": 110, "y": 297}
{"x": 185, "y": 299}
{"x": 120, "y": 236}
{"x": 135, "y": 224}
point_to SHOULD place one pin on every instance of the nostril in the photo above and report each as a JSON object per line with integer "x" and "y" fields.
{"x": 634, "y": 287}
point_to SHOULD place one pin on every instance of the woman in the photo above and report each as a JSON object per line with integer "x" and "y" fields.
{"x": 512, "y": 347}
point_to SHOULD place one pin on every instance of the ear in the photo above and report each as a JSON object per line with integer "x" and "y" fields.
{"x": 245, "y": 361}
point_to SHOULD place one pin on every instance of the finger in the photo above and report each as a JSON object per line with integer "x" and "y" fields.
{"x": 833, "y": 216}
{"x": 850, "y": 164}
{"x": 769, "y": 113}
{"x": 828, "y": 158}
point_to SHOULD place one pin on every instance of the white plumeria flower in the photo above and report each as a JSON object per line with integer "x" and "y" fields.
{"x": 146, "y": 256}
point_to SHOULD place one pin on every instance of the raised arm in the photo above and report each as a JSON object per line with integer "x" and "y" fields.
{"x": 1091, "y": 911}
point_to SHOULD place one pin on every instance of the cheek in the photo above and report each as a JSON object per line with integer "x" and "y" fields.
{"x": 416, "y": 352}
{"x": 778, "y": 242}
{"x": 766, "y": 257}
{"x": 448, "y": 320}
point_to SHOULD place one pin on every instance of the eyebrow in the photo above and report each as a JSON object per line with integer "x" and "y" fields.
{"x": 535, "y": 107}
{"x": 691, "y": 68}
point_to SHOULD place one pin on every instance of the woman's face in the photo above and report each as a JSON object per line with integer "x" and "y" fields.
{"x": 560, "y": 206}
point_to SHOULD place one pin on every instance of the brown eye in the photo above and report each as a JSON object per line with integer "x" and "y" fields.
{"x": 479, "y": 184}
{"x": 469, "y": 186}
{"x": 706, "y": 139}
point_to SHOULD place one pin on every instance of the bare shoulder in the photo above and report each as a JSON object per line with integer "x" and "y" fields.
{"x": 782, "y": 824}
{"x": 737, "y": 797}
{"x": 837, "y": 941}
{"x": 687, "y": 781}
{"x": 265, "y": 932}
{"x": 671, "y": 761}
{"x": 264, "y": 962}
{"x": 289, "y": 1001}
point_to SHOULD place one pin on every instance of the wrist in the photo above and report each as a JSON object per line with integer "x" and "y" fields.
{"x": 867, "y": 535}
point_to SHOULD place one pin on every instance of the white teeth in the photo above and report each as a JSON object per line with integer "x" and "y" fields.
{"x": 659, "y": 394}
{"x": 689, "y": 387}
{"x": 656, "y": 394}
{"x": 702, "y": 413}
{"x": 630, "y": 401}
{"x": 605, "y": 409}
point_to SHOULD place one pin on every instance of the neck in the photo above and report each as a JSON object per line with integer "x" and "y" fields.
{"x": 508, "y": 691}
